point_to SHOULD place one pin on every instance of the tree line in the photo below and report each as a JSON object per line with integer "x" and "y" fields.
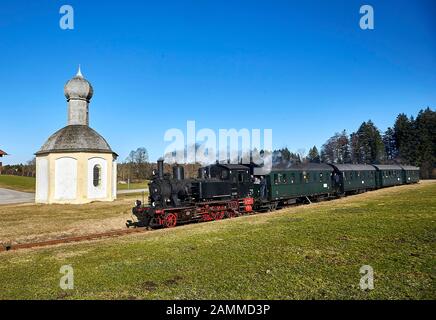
{"x": 25, "y": 170}
{"x": 136, "y": 167}
{"x": 410, "y": 141}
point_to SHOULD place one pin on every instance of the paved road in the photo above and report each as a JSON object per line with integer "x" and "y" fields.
{"x": 132, "y": 191}
{"x": 10, "y": 196}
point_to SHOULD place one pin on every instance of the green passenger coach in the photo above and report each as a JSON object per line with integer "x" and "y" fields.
{"x": 388, "y": 175}
{"x": 353, "y": 178}
{"x": 410, "y": 174}
{"x": 284, "y": 184}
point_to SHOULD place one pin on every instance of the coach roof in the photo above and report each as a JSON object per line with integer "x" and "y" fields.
{"x": 352, "y": 167}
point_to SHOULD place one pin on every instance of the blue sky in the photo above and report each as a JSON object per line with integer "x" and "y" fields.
{"x": 303, "y": 68}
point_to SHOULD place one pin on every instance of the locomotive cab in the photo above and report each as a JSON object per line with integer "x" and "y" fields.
{"x": 229, "y": 181}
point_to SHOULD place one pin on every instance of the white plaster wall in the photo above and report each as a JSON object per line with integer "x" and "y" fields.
{"x": 65, "y": 178}
{"x": 41, "y": 180}
{"x": 114, "y": 179}
{"x": 99, "y": 191}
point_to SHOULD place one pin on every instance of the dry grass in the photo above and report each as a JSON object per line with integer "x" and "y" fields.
{"x": 36, "y": 222}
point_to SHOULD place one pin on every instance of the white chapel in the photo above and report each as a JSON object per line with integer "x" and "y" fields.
{"x": 76, "y": 165}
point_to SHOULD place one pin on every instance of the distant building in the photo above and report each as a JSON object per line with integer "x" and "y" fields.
{"x": 76, "y": 164}
{"x": 2, "y": 153}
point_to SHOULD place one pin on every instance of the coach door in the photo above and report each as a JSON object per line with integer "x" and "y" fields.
{"x": 337, "y": 181}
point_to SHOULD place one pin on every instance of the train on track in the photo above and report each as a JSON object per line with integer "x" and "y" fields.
{"x": 230, "y": 190}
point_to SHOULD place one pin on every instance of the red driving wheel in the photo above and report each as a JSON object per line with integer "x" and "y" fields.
{"x": 218, "y": 215}
{"x": 231, "y": 214}
{"x": 170, "y": 220}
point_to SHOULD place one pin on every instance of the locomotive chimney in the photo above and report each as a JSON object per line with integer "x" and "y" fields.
{"x": 160, "y": 168}
{"x": 178, "y": 172}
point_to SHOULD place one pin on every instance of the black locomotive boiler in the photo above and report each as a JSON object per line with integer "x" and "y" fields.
{"x": 220, "y": 191}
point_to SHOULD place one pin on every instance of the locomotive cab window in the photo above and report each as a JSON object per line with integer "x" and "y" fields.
{"x": 224, "y": 175}
{"x": 240, "y": 177}
{"x": 96, "y": 175}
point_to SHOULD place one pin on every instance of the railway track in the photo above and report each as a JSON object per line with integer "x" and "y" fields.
{"x": 94, "y": 236}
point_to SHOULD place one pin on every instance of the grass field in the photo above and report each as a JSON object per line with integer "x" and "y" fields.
{"x": 306, "y": 252}
{"x": 140, "y": 185}
{"x": 27, "y": 184}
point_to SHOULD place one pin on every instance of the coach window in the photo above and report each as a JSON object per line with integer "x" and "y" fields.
{"x": 292, "y": 177}
{"x": 320, "y": 177}
{"x": 276, "y": 178}
{"x": 285, "y": 180}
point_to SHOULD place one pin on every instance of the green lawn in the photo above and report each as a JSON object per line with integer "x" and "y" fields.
{"x": 26, "y": 184}
{"x": 140, "y": 185}
{"x": 306, "y": 252}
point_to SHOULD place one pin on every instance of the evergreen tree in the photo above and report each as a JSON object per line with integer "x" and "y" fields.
{"x": 313, "y": 155}
{"x": 390, "y": 143}
{"x": 404, "y": 129}
{"x": 286, "y": 154}
{"x": 425, "y": 149}
{"x": 367, "y": 144}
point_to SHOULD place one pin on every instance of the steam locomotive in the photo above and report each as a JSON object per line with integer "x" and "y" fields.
{"x": 230, "y": 190}
{"x": 220, "y": 191}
